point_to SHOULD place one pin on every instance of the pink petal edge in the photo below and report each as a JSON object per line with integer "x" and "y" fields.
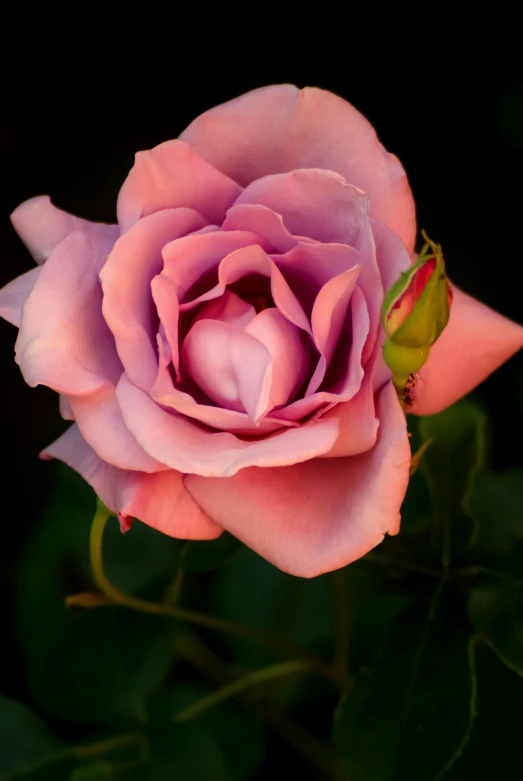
{"x": 320, "y": 515}
{"x": 159, "y": 500}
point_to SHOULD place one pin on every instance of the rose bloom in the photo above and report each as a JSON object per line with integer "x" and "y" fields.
{"x": 220, "y": 349}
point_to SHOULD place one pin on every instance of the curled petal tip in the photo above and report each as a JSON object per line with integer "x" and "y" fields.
{"x": 125, "y": 522}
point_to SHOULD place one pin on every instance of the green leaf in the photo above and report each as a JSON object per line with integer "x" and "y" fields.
{"x": 26, "y": 743}
{"x": 100, "y": 664}
{"x": 223, "y": 744}
{"x": 494, "y": 747}
{"x": 372, "y": 621}
{"x": 251, "y": 591}
{"x": 205, "y": 555}
{"x": 80, "y": 676}
{"x": 496, "y": 610}
{"x": 103, "y": 665}
{"x": 496, "y": 501}
{"x": 449, "y": 466}
{"x": 416, "y": 510}
{"x": 408, "y": 714}
{"x": 56, "y": 560}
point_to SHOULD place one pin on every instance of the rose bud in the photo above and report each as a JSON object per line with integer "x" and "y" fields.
{"x": 415, "y": 311}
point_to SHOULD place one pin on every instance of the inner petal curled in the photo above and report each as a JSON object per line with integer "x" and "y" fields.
{"x": 289, "y": 355}
{"x": 232, "y": 367}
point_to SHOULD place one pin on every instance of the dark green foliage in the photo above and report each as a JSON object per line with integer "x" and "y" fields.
{"x": 421, "y": 644}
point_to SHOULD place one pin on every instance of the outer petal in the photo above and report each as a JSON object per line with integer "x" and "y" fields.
{"x": 317, "y": 516}
{"x": 13, "y": 296}
{"x": 64, "y": 342}
{"x": 184, "y": 445}
{"x": 315, "y": 203}
{"x": 173, "y": 175}
{"x": 42, "y": 226}
{"x": 101, "y": 424}
{"x": 391, "y": 255}
{"x": 475, "y": 342}
{"x": 263, "y": 221}
{"x": 65, "y": 408}
{"x": 126, "y": 277}
{"x": 278, "y": 129}
{"x": 159, "y": 500}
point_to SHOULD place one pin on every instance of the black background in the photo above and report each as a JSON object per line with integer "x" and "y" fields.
{"x": 458, "y": 132}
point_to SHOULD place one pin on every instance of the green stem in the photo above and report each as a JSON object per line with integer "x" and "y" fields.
{"x": 186, "y": 615}
{"x": 340, "y": 615}
{"x": 173, "y": 591}
{"x": 78, "y": 752}
{"x": 241, "y": 685}
{"x": 104, "y": 746}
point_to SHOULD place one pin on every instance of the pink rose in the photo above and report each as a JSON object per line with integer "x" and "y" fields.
{"x": 220, "y": 348}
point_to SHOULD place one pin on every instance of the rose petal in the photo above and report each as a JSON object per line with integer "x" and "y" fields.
{"x": 290, "y": 360}
{"x": 42, "y": 226}
{"x": 391, "y": 255}
{"x": 344, "y": 377}
{"x": 253, "y": 260}
{"x": 166, "y": 394}
{"x": 232, "y": 367}
{"x": 280, "y": 128}
{"x": 65, "y": 408}
{"x": 308, "y": 267}
{"x": 192, "y": 259}
{"x": 164, "y": 295}
{"x": 159, "y": 500}
{"x": 315, "y": 517}
{"x": 229, "y": 308}
{"x": 475, "y": 342}
{"x": 328, "y": 317}
{"x": 173, "y": 175}
{"x": 315, "y": 203}
{"x": 14, "y": 295}
{"x": 101, "y": 424}
{"x": 64, "y": 342}
{"x": 183, "y": 445}
{"x": 126, "y": 277}
{"x": 261, "y": 220}
{"x": 357, "y": 420}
